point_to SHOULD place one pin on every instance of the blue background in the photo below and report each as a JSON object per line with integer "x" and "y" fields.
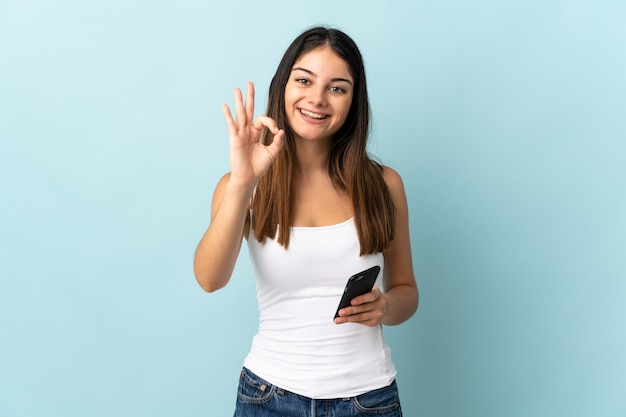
{"x": 506, "y": 119}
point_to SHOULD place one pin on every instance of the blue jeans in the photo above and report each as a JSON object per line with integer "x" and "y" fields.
{"x": 258, "y": 398}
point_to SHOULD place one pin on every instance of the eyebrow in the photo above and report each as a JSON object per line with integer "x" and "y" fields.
{"x": 315, "y": 75}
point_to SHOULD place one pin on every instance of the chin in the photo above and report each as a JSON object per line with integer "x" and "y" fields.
{"x": 311, "y": 137}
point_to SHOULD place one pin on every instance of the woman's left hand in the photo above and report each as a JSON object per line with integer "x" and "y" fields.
{"x": 367, "y": 309}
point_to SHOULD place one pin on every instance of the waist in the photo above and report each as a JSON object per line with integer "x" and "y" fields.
{"x": 323, "y": 361}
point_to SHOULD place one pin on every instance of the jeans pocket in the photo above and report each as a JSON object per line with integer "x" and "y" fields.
{"x": 383, "y": 401}
{"x": 253, "y": 389}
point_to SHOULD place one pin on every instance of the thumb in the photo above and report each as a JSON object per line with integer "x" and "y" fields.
{"x": 277, "y": 143}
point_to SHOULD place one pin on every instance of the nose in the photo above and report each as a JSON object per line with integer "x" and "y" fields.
{"x": 317, "y": 96}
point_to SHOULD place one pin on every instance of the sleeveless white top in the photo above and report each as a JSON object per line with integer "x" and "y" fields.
{"x": 298, "y": 346}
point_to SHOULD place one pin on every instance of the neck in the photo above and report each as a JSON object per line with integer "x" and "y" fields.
{"x": 312, "y": 156}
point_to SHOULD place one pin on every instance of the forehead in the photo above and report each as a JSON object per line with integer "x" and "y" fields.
{"x": 324, "y": 63}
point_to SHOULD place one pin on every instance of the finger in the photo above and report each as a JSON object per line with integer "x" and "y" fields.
{"x": 273, "y": 149}
{"x": 250, "y": 101}
{"x": 240, "y": 111}
{"x": 356, "y": 317}
{"x": 265, "y": 121}
{"x": 277, "y": 143}
{"x": 366, "y": 298}
{"x": 367, "y": 319}
{"x": 230, "y": 123}
{"x": 357, "y": 309}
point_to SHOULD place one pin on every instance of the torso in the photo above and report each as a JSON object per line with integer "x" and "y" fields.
{"x": 298, "y": 347}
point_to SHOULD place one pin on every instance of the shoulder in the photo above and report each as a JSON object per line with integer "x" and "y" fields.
{"x": 395, "y": 185}
{"x": 220, "y": 188}
{"x": 223, "y": 180}
{"x": 393, "y": 180}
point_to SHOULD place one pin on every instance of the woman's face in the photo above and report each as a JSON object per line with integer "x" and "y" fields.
{"x": 318, "y": 94}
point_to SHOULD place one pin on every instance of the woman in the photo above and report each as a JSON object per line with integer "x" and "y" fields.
{"x": 314, "y": 209}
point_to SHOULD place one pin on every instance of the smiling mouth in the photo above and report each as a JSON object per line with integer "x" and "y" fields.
{"x": 313, "y": 115}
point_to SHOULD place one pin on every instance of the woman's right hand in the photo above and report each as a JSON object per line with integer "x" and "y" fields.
{"x": 249, "y": 158}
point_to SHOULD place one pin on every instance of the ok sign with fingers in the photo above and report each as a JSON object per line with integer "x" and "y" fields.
{"x": 249, "y": 158}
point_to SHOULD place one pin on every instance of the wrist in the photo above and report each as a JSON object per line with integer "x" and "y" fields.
{"x": 236, "y": 186}
{"x": 388, "y": 300}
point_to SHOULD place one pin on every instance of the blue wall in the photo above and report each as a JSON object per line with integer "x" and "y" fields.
{"x": 507, "y": 121}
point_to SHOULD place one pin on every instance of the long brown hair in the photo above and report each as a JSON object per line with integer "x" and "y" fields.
{"x": 350, "y": 167}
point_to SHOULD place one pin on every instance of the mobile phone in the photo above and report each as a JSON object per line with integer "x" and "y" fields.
{"x": 358, "y": 284}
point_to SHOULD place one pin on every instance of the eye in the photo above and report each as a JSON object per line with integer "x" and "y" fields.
{"x": 303, "y": 81}
{"x": 336, "y": 89}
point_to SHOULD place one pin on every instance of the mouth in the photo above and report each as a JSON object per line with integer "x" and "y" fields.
{"x": 313, "y": 115}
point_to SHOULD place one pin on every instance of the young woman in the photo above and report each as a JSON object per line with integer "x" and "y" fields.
{"x": 315, "y": 210}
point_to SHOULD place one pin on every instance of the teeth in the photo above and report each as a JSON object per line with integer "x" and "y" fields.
{"x": 313, "y": 115}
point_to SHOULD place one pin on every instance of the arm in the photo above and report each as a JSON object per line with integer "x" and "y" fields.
{"x": 400, "y": 299}
{"x": 401, "y": 294}
{"x": 218, "y": 249}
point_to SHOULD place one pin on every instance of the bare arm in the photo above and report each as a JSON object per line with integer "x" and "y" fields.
{"x": 400, "y": 299}
{"x": 402, "y": 296}
{"x": 219, "y": 247}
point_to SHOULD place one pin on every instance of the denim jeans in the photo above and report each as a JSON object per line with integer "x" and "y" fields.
{"x": 258, "y": 398}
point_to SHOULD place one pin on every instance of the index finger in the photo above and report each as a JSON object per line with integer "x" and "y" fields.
{"x": 266, "y": 121}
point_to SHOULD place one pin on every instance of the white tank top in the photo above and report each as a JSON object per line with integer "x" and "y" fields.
{"x": 298, "y": 346}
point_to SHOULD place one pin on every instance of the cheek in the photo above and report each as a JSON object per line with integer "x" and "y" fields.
{"x": 346, "y": 108}
{"x": 289, "y": 97}
{"x": 289, "y": 101}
